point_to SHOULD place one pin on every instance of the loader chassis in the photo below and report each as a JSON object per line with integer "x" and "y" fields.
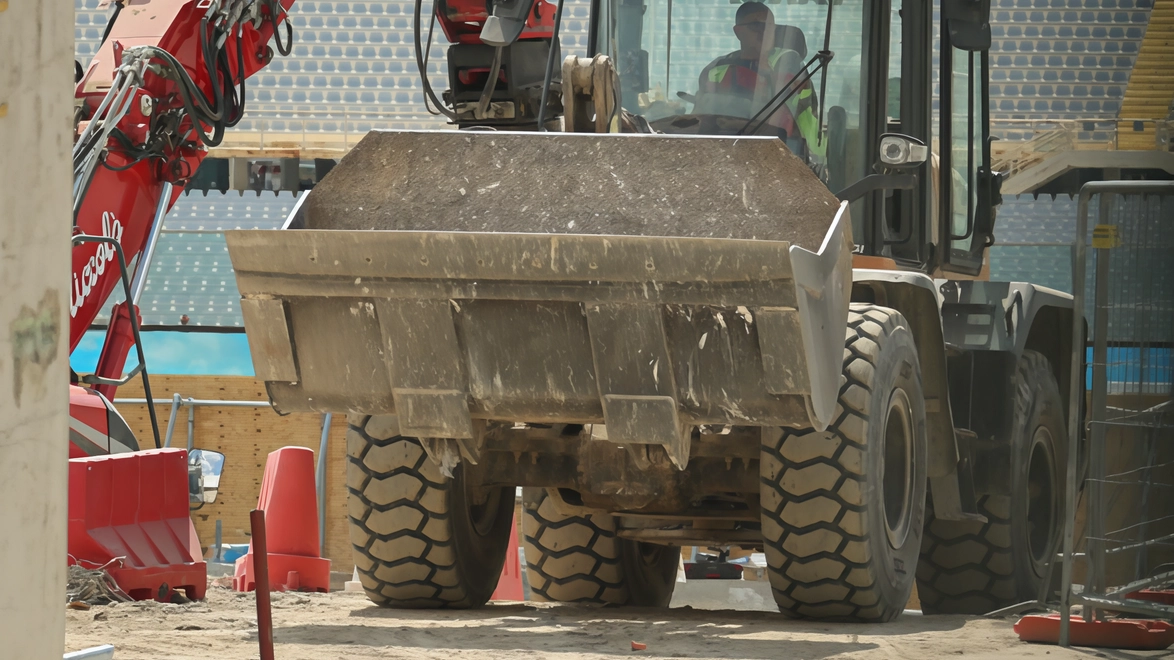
{"x": 653, "y": 383}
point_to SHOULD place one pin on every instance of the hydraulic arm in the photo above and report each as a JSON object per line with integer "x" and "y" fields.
{"x": 167, "y": 81}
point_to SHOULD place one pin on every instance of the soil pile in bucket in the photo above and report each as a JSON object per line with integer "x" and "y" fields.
{"x": 636, "y": 185}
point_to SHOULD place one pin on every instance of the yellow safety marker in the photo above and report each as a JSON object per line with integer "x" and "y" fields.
{"x": 1105, "y": 236}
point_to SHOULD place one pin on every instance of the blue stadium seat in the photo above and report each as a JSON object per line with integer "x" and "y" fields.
{"x": 1055, "y": 58}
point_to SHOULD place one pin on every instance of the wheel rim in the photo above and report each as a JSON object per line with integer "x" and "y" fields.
{"x": 483, "y": 516}
{"x": 897, "y": 470}
{"x": 1041, "y": 511}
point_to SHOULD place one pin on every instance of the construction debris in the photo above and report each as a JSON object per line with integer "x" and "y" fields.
{"x": 92, "y": 587}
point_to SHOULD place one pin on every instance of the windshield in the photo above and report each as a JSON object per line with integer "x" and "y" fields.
{"x": 771, "y": 40}
{"x": 708, "y": 66}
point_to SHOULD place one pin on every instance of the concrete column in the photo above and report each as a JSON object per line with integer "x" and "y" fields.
{"x": 238, "y": 174}
{"x": 36, "y": 92}
{"x": 290, "y": 174}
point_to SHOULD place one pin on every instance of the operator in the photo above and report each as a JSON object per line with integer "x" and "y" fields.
{"x": 741, "y": 83}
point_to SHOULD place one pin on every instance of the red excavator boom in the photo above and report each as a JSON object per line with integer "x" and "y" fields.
{"x": 167, "y": 81}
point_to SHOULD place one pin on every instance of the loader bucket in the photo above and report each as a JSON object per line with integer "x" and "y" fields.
{"x": 457, "y": 277}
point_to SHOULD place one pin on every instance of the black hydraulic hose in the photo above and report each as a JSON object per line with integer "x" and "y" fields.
{"x": 427, "y": 54}
{"x": 226, "y": 108}
{"x": 549, "y": 76}
{"x": 276, "y": 12}
{"x": 428, "y": 91}
{"x": 187, "y": 90}
{"x": 210, "y": 63}
{"x": 490, "y": 82}
{"x": 239, "y": 104}
{"x": 235, "y": 98}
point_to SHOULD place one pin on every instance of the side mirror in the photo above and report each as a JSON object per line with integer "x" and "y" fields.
{"x": 901, "y": 151}
{"x": 968, "y": 23}
{"x": 204, "y": 468}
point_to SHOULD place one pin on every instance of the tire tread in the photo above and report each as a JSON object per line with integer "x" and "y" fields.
{"x": 813, "y": 521}
{"x": 969, "y": 567}
{"x": 404, "y": 557}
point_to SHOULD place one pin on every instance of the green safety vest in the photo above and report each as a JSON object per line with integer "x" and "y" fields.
{"x": 800, "y": 105}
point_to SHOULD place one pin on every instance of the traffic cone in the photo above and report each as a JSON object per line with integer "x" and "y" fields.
{"x": 291, "y": 524}
{"x": 509, "y": 586}
{"x": 353, "y": 584}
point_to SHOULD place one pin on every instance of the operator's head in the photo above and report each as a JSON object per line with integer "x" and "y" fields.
{"x": 750, "y": 24}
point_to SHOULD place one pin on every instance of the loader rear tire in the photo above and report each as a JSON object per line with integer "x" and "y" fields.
{"x": 843, "y": 509}
{"x": 419, "y": 538}
{"x": 579, "y": 559}
{"x": 976, "y": 568}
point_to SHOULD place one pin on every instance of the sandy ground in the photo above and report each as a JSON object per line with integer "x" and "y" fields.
{"x": 346, "y": 625}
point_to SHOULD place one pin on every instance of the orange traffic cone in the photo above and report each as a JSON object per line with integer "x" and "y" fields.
{"x": 291, "y": 522}
{"x": 509, "y": 586}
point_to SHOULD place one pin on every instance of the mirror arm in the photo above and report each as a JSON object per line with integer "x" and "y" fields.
{"x": 875, "y": 182}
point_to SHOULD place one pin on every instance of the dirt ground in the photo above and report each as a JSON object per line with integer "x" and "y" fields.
{"x": 346, "y": 625}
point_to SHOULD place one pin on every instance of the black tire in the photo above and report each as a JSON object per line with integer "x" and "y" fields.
{"x": 975, "y": 568}
{"x": 579, "y": 559}
{"x": 841, "y": 532}
{"x": 418, "y": 540}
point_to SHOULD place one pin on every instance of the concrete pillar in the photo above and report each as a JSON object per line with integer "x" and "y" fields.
{"x": 238, "y": 174}
{"x": 36, "y": 92}
{"x": 290, "y": 174}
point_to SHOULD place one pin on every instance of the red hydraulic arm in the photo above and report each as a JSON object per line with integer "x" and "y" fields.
{"x": 166, "y": 83}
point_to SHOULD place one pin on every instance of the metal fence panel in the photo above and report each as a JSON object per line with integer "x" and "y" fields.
{"x": 1126, "y": 293}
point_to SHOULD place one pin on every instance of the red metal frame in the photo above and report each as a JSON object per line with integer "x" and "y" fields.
{"x": 461, "y": 20}
{"x": 1160, "y": 596}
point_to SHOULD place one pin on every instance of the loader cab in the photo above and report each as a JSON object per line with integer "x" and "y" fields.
{"x": 872, "y": 63}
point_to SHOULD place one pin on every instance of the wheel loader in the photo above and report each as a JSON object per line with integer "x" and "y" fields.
{"x": 680, "y": 294}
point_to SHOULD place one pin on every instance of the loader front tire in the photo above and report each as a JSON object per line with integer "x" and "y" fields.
{"x": 579, "y": 559}
{"x": 843, "y": 509}
{"x": 420, "y": 539}
{"x": 976, "y": 568}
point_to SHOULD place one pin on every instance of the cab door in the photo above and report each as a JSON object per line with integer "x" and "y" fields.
{"x": 968, "y": 189}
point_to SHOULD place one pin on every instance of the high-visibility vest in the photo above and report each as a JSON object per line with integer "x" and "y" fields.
{"x": 734, "y": 75}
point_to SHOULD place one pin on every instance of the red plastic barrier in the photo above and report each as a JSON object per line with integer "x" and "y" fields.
{"x": 509, "y": 585}
{"x": 291, "y": 526}
{"x": 135, "y": 507}
{"x": 1113, "y": 634}
{"x": 1161, "y": 596}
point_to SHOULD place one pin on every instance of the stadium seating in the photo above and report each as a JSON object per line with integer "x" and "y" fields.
{"x": 353, "y": 69}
